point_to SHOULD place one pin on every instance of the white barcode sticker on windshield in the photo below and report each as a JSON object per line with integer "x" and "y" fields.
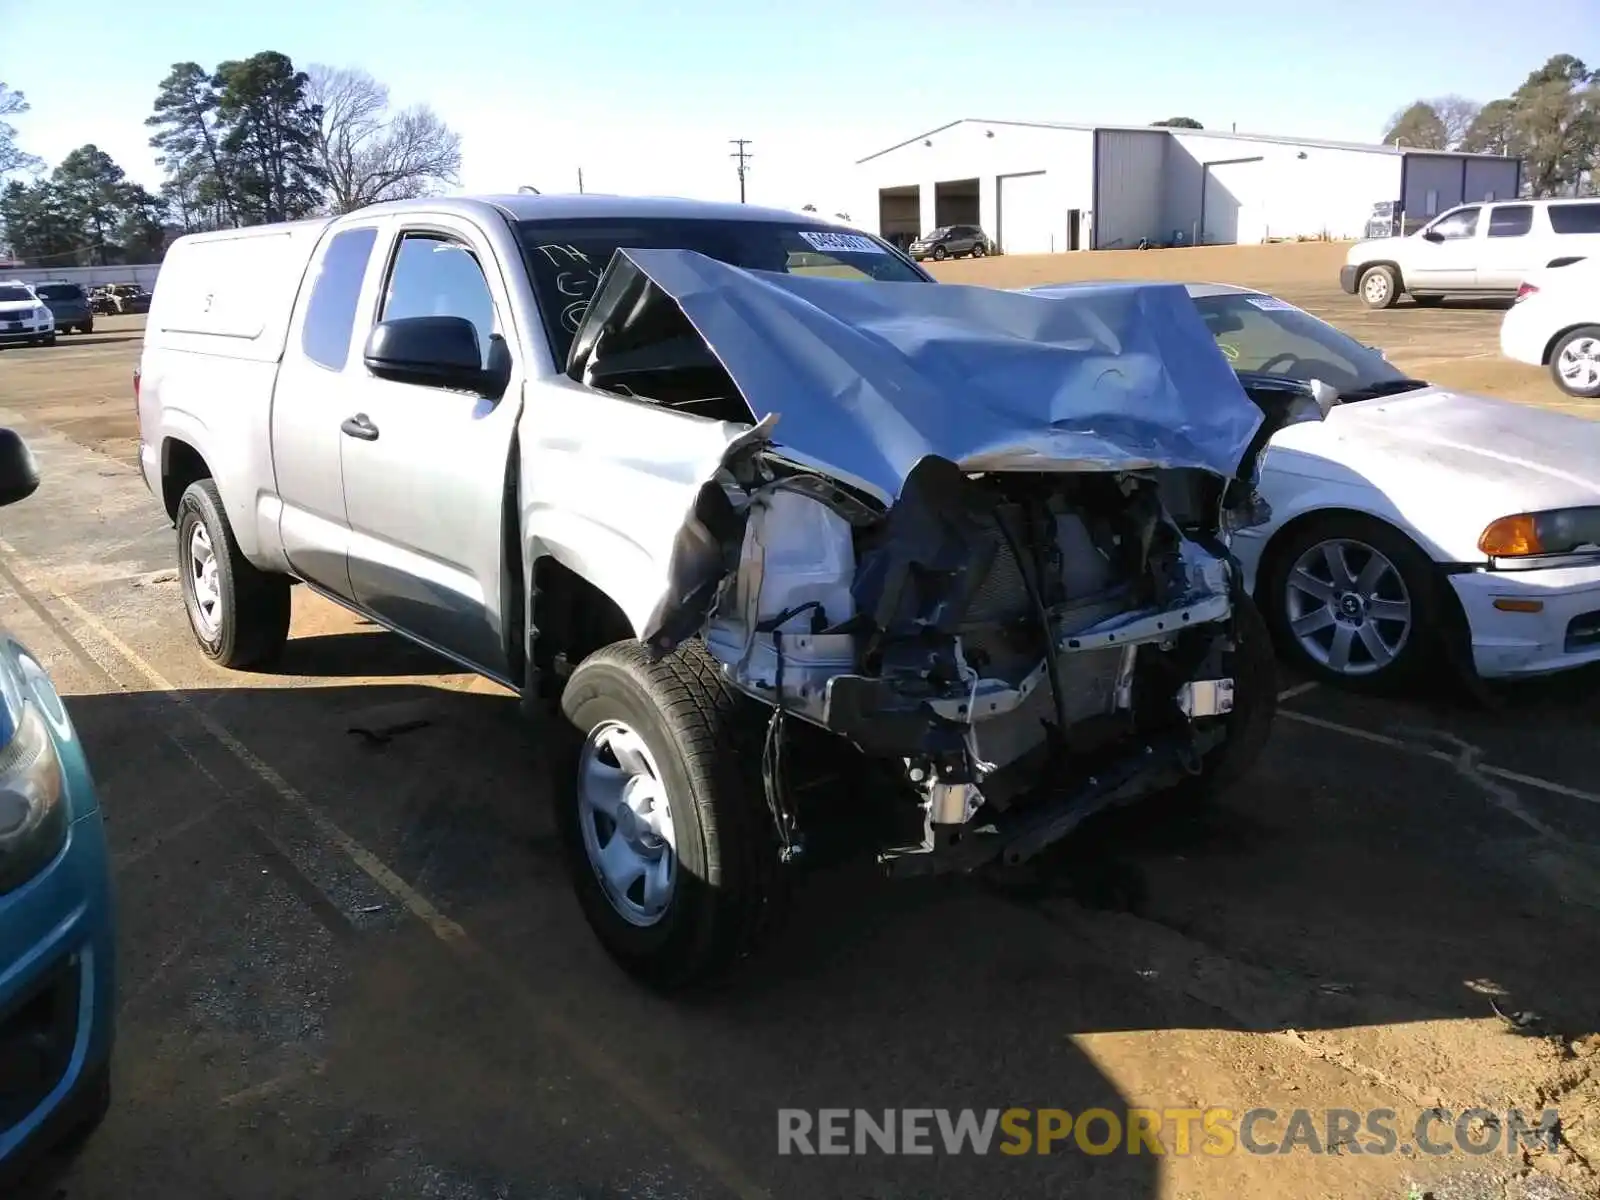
{"x": 840, "y": 243}
{"x": 1271, "y": 303}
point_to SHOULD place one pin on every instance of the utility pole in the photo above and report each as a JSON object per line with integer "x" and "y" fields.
{"x": 743, "y": 156}
{"x": 580, "y": 181}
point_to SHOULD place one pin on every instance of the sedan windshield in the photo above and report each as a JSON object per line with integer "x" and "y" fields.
{"x": 566, "y": 258}
{"x": 11, "y": 294}
{"x": 1269, "y": 336}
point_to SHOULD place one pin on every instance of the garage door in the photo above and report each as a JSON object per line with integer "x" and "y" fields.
{"x": 1027, "y": 224}
{"x": 1235, "y": 202}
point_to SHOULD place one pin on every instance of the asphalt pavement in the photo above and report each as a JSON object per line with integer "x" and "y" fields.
{"x": 352, "y": 965}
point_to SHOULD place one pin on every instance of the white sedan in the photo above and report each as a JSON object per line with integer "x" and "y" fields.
{"x": 1555, "y": 322}
{"x": 1414, "y": 518}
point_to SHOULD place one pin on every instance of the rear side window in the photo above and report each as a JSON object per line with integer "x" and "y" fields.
{"x": 1510, "y": 220}
{"x": 1575, "y": 218}
{"x": 331, "y": 311}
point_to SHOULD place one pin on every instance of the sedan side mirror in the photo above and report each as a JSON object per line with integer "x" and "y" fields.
{"x": 1432, "y": 235}
{"x": 438, "y": 352}
{"x": 19, "y": 473}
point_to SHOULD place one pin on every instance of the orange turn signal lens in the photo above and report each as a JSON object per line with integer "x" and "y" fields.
{"x": 1509, "y": 604}
{"x": 1510, "y": 537}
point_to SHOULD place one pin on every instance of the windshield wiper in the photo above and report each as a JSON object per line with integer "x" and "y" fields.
{"x": 1389, "y": 387}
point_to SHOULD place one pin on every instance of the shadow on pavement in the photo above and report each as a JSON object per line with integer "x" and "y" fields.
{"x": 1337, "y": 887}
{"x": 376, "y": 653}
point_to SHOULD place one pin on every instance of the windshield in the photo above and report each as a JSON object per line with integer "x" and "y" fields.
{"x": 1269, "y": 336}
{"x": 932, "y": 234}
{"x": 12, "y": 292}
{"x": 566, "y": 258}
{"x": 59, "y": 291}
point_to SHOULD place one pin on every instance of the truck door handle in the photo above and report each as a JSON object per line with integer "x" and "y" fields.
{"x": 360, "y": 426}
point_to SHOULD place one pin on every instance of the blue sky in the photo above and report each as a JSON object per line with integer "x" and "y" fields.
{"x": 645, "y": 95}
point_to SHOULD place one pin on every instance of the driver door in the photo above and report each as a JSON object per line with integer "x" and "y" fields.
{"x": 1445, "y": 255}
{"x": 425, "y": 467}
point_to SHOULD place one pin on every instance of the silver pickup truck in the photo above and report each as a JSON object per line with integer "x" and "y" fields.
{"x": 796, "y": 542}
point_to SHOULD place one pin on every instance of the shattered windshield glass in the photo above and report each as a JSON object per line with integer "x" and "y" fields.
{"x": 566, "y": 258}
{"x": 1263, "y": 334}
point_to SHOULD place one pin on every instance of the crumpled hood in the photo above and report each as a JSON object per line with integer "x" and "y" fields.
{"x": 867, "y": 380}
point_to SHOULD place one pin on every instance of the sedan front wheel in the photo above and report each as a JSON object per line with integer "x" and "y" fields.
{"x": 1352, "y": 600}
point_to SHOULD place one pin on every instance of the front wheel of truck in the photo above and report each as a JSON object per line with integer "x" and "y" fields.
{"x": 1254, "y": 668}
{"x": 239, "y": 614}
{"x": 659, "y": 795}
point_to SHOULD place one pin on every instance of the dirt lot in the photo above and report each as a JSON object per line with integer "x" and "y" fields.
{"x": 352, "y": 967}
{"x": 1457, "y": 345}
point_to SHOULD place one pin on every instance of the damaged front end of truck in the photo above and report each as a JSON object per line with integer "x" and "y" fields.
{"x": 981, "y": 536}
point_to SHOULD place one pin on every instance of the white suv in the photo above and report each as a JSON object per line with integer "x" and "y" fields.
{"x": 1483, "y": 249}
{"x": 23, "y": 316}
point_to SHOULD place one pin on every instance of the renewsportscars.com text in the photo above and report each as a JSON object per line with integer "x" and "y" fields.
{"x": 1178, "y": 1131}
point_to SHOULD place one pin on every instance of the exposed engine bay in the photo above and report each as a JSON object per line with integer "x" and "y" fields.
{"x": 1028, "y": 631}
{"x": 985, "y": 632}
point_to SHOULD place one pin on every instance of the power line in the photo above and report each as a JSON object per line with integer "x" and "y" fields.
{"x": 743, "y": 156}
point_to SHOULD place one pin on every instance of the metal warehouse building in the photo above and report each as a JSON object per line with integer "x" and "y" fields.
{"x": 1038, "y": 188}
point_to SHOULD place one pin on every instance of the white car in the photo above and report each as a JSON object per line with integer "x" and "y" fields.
{"x": 1414, "y": 518}
{"x": 24, "y": 317}
{"x": 1473, "y": 250}
{"x": 1555, "y": 322}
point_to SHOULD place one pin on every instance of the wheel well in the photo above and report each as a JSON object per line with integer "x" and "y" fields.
{"x": 1399, "y": 276}
{"x": 1550, "y": 346}
{"x": 1457, "y": 630}
{"x": 181, "y": 465}
{"x": 572, "y": 618}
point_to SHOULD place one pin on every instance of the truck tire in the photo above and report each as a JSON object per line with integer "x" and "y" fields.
{"x": 239, "y": 614}
{"x": 1379, "y": 287}
{"x": 657, "y": 782}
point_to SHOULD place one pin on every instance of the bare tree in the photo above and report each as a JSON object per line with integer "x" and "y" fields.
{"x": 1456, "y": 114}
{"x": 369, "y": 152}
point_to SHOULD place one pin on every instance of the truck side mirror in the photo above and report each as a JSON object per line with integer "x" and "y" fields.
{"x": 19, "y": 473}
{"x": 437, "y": 352}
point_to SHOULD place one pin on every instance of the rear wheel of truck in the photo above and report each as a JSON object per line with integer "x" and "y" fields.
{"x": 239, "y": 614}
{"x": 659, "y": 795}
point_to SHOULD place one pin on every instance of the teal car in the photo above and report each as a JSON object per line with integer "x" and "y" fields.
{"x": 57, "y": 947}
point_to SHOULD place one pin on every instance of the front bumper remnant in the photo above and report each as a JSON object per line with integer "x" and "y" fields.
{"x": 1023, "y": 831}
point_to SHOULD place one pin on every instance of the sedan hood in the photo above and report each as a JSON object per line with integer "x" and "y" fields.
{"x": 1451, "y": 462}
{"x": 865, "y": 381}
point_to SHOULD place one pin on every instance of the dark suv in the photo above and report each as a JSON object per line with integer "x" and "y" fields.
{"x": 68, "y": 303}
{"x": 950, "y": 241}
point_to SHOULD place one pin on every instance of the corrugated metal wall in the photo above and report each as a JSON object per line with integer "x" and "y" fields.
{"x": 1127, "y": 184}
{"x": 1257, "y": 189}
{"x": 1130, "y": 167}
{"x": 1491, "y": 179}
{"x": 986, "y": 151}
{"x": 1433, "y": 184}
